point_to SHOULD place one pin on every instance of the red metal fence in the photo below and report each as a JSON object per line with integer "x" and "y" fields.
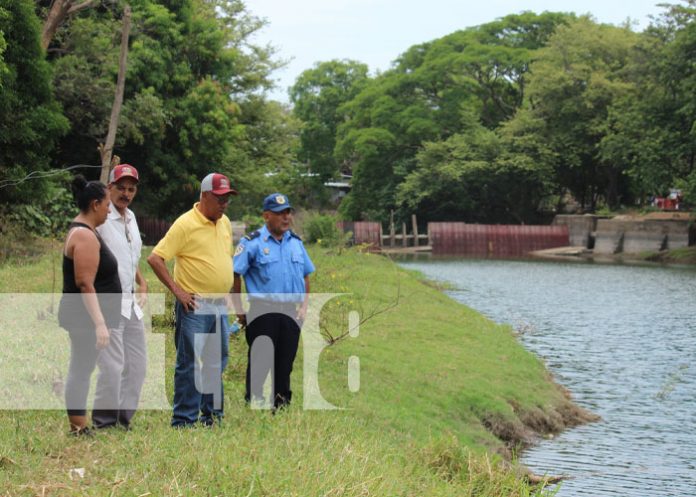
{"x": 488, "y": 240}
{"x": 369, "y": 232}
{"x": 152, "y": 230}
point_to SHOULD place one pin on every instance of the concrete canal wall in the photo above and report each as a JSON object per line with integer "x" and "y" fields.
{"x": 629, "y": 235}
{"x": 598, "y": 234}
{"x": 580, "y": 228}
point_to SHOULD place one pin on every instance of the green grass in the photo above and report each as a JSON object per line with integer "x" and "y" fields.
{"x": 18, "y": 245}
{"x": 440, "y": 386}
{"x": 682, "y": 255}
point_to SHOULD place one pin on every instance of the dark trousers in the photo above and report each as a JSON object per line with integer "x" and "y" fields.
{"x": 272, "y": 335}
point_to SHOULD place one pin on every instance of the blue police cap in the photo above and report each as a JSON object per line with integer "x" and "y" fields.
{"x": 276, "y": 202}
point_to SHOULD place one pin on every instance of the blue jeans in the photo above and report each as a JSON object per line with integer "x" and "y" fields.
{"x": 202, "y": 342}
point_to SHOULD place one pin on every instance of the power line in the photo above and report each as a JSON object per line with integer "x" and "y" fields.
{"x": 40, "y": 174}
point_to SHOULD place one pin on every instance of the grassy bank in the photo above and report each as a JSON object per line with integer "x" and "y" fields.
{"x": 684, "y": 255}
{"x": 443, "y": 393}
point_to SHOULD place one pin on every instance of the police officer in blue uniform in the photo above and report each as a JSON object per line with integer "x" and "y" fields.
{"x": 276, "y": 269}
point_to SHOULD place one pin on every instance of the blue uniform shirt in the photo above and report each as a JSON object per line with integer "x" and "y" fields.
{"x": 274, "y": 267}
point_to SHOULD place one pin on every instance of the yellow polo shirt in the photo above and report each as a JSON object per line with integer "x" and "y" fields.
{"x": 202, "y": 252}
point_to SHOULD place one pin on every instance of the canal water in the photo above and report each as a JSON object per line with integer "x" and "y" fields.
{"x": 623, "y": 339}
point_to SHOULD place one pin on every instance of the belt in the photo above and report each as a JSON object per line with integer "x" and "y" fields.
{"x": 273, "y": 305}
{"x": 218, "y": 301}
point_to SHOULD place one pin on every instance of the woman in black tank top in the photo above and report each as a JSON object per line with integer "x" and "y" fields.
{"x": 91, "y": 295}
{"x": 106, "y": 284}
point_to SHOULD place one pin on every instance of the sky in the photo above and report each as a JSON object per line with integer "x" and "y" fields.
{"x": 376, "y": 32}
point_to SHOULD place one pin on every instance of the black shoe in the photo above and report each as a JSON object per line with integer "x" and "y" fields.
{"x": 104, "y": 427}
{"x": 209, "y": 422}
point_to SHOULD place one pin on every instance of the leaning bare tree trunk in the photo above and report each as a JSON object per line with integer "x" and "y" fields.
{"x": 60, "y": 9}
{"x": 108, "y": 146}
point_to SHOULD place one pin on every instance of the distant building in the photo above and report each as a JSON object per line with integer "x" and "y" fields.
{"x": 339, "y": 188}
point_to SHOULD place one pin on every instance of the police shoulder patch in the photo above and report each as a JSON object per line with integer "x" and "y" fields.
{"x": 252, "y": 235}
{"x": 239, "y": 250}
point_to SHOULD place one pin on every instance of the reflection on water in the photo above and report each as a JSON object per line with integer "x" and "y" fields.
{"x": 623, "y": 340}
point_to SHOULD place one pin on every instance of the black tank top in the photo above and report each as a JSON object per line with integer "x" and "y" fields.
{"x": 72, "y": 313}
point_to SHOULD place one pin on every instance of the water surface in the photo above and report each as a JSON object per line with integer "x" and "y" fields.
{"x": 623, "y": 340}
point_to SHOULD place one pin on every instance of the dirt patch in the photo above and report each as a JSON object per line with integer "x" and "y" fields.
{"x": 661, "y": 216}
{"x": 510, "y": 430}
{"x": 440, "y": 286}
{"x": 677, "y": 216}
{"x": 530, "y": 424}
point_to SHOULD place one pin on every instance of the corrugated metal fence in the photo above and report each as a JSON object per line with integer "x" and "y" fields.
{"x": 484, "y": 240}
{"x": 151, "y": 229}
{"x": 368, "y": 232}
{"x": 494, "y": 240}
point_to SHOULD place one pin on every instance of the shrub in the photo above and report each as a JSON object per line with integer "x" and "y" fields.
{"x": 47, "y": 215}
{"x": 26, "y": 228}
{"x": 322, "y": 229}
{"x": 252, "y": 222}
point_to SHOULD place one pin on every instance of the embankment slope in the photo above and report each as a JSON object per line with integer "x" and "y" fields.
{"x": 442, "y": 391}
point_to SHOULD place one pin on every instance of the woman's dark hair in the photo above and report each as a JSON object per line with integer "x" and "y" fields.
{"x": 85, "y": 191}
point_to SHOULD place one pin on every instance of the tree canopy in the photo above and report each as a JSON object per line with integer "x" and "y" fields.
{"x": 317, "y": 95}
{"x": 502, "y": 122}
{"x": 429, "y": 96}
{"x": 193, "y": 93}
{"x": 30, "y": 118}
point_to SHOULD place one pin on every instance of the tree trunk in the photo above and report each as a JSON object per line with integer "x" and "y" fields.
{"x": 108, "y": 146}
{"x": 60, "y": 9}
{"x": 613, "y": 188}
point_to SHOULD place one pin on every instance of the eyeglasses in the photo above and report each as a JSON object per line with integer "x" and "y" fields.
{"x": 221, "y": 199}
{"x": 129, "y": 189}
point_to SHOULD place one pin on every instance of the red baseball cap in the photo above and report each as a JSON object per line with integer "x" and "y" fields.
{"x": 217, "y": 183}
{"x": 123, "y": 171}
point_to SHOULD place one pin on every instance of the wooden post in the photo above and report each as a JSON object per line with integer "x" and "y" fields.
{"x": 392, "y": 235}
{"x": 415, "y": 230}
{"x": 404, "y": 239}
{"x": 108, "y": 146}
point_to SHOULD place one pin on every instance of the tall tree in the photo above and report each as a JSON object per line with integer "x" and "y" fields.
{"x": 192, "y": 92}
{"x": 574, "y": 83}
{"x": 263, "y": 160}
{"x": 3, "y": 46}
{"x": 30, "y": 119}
{"x": 58, "y": 12}
{"x": 316, "y": 96}
{"x": 473, "y": 177}
{"x": 653, "y": 129}
{"x": 480, "y": 70}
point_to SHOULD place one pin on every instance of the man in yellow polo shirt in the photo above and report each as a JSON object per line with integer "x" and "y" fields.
{"x": 200, "y": 242}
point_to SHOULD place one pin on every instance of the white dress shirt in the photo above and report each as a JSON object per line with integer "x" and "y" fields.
{"x": 122, "y": 236}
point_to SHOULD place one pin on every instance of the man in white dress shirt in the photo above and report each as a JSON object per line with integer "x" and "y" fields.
{"x": 122, "y": 365}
